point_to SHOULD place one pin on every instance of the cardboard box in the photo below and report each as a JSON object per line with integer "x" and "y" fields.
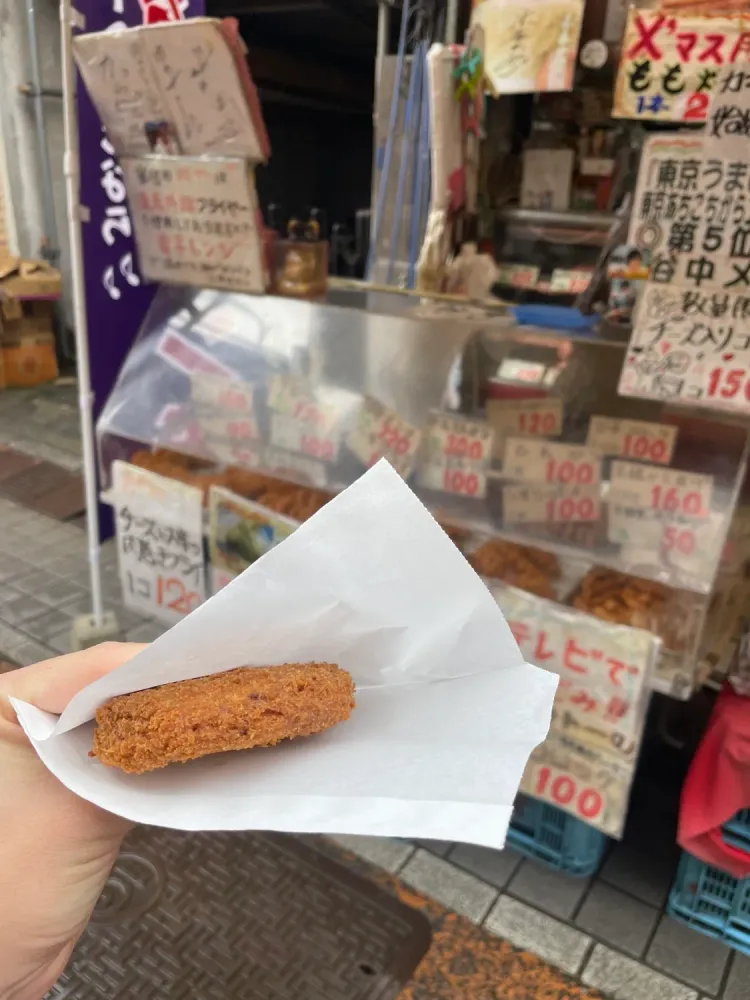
{"x": 29, "y": 360}
{"x": 28, "y": 279}
{"x": 28, "y": 292}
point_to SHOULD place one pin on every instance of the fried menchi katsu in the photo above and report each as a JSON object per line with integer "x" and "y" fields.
{"x": 236, "y": 710}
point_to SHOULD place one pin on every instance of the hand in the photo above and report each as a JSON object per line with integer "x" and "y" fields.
{"x": 56, "y": 850}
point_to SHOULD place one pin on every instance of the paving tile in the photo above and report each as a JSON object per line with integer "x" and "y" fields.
{"x": 11, "y": 639}
{"x": 60, "y": 642}
{"x": 548, "y": 890}
{"x": 51, "y": 624}
{"x": 449, "y": 885}
{"x": 534, "y": 931}
{"x": 695, "y": 958}
{"x": 493, "y": 867}
{"x": 383, "y": 852}
{"x": 439, "y": 847}
{"x": 640, "y": 872}
{"x": 13, "y": 569}
{"x": 22, "y": 609}
{"x": 149, "y": 632}
{"x": 623, "y": 978}
{"x": 618, "y": 919}
{"x": 31, "y": 652}
{"x": 738, "y": 983}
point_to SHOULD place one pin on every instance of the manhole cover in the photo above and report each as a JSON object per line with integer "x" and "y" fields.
{"x": 252, "y": 916}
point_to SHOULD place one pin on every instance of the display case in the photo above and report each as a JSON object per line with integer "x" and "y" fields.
{"x": 514, "y": 437}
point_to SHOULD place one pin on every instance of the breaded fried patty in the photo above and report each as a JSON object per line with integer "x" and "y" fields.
{"x": 242, "y": 708}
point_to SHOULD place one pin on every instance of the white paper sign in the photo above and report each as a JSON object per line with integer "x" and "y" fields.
{"x": 533, "y": 503}
{"x": 728, "y": 121}
{"x": 302, "y": 422}
{"x": 196, "y": 221}
{"x": 641, "y": 439}
{"x": 524, "y": 418}
{"x": 382, "y": 433}
{"x": 159, "y": 526}
{"x": 670, "y": 491}
{"x": 447, "y": 711}
{"x": 457, "y": 453}
{"x": 547, "y": 462}
{"x": 690, "y": 346}
{"x": 225, "y": 411}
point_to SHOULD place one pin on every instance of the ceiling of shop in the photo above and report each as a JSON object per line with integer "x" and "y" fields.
{"x": 318, "y": 53}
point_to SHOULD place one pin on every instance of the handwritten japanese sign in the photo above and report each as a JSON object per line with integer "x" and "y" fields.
{"x": 524, "y": 418}
{"x": 691, "y": 346}
{"x": 641, "y": 439}
{"x": 381, "y": 433}
{"x": 587, "y": 762}
{"x": 548, "y": 462}
{"x": 225, "y": 412}
{"x": 457, "y": 453}
{"x": 159, "y": 526}
{"x": 670, "y": 63}
{"x": 196, "y": 221}
{"x": 239, "y": 533}
{"x": 728, "y": 125}
{"x": 301, "y": 421}
{"x": 669, "y": 490}
{"x": 533, "y": 503}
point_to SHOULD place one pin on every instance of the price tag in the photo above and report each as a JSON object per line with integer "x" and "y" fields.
{"x": 669, "y": 491}
{"x": 523, "y": 504}
{"x": 595, "y": 793}
{"x": 159, "y": 527}
{"x": 382, "y": 433}
{"x": 516, "y": 370}
{"x": 553, "y": 463}
{"x": 569, "y": 282}
{"x": 225, "y": 412}
{"x": 518, "y": 275}
{"x": 649, "y": 442}
{"x": 524, "y": 418}
{"x": 457, "y": 453}
{"x": 300, "y": 422}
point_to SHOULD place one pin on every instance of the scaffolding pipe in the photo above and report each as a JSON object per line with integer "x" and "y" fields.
{"x": 50, "y": 248}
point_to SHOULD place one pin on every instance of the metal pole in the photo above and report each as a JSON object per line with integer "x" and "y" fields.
{"x": 71, "y": 169}
{"x": 52, "y": 249}
{"x": 381, "y": 48}
{"x": 451, "y": 23}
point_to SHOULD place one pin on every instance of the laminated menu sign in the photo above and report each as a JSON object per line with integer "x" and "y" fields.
{"x": 196, "y": 221}
{"x": 551, "y": 462}
{"x": 586, "y": 764}
{"x": 381, "y": 433}
{"x": 225, "y": 411}
{"x": 239, "y": 533}
{"x": 159, "y": 526}
{"x": 372, "y": 583}
{"x": 641, "y": 439}
{"x": 300, "y": 421}
{"x": 691, "y": 346}
{"x": 457, "y": 453}
{"x": 534, "y": 503}
{"x": 670, "y": 63}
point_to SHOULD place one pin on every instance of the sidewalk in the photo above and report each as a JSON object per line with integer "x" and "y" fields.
{"x": 610, "y": 931}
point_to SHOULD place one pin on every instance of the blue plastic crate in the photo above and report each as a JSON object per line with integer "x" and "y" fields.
{"x": 561, "y": 841}
{"x": 737, "y": 830}
{"x": 712, "y": 901}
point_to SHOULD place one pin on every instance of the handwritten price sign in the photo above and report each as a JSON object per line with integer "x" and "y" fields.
{"x": 382, "y": 433}
{"x": 225, "y": 411}
{"x": 297, "y": 435}
{"x": 300, "y": 422}
{"x": 457, "y": 453}
{"x": 524, "y": 418}
{"x": 552, "y": 463}
{"x": 687, "y": 494}
{"x": 649, "y": 442}
{"x": 524, "y": 504}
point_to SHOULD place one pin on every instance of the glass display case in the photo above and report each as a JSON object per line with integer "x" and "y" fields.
{"x": 514, "y": 437}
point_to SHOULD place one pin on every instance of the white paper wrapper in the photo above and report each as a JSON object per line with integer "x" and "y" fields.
{"x": 447, "y": 711}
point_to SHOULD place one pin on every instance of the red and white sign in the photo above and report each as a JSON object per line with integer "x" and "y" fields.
{"x": 667, "y": 491}
{"x": 300, "y": 421}
{"x": 552, "y": 463}
{"x": 523, "y": 504}
{"x": 457, "y": 453}
{"x": 382, "y": 433}
{"x": 225, "y": 413}
{"x": 641, "y": 439}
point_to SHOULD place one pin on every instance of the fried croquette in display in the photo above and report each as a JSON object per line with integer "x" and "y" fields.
{"x": 236, "y": 710}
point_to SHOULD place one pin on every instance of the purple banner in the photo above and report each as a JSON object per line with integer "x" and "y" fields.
{"x": 116, "y": 298}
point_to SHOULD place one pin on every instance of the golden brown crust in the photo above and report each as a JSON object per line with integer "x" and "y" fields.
{"x": 236, "y": 710}
{"x": 517, "y": 565}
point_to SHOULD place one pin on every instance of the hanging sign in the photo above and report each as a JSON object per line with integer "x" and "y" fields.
{"x": 641, "y": 439}
{"x": 690, "y": 346}
{"x": 586, "y": 764}
{"x": 550, "y": 462}
{"x": 239, "y": 533}
{"x": 457, "y": 453}
{"x": 159, "y": 528}
{"x": 196, "y": 221}
{"x": 670, "y": 63}
{"x": 381, "y": 433}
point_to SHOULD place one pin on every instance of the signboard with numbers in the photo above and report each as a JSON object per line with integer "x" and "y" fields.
{"x": 690, "y": 346}
{"x": 196, "y": 221}
{"x": 300, "y": 421}
{"x": 159, "y": 528}
{"x": 532, "y": 503}
{"x": 670, "y": 491}
{"x": 457, "y": 453}
{"x": 550, "y": 462}
{"x": 524, "y": 417}
{"x": 382, "y": 433}
{"x": 239, "y": 533}
{"x": 587, "y": 762}
{"x": 518, "y": 275}
{"x": 670, "y": 63}
{"x": 649, "y": 442}
{"x": 225, "y": 412}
